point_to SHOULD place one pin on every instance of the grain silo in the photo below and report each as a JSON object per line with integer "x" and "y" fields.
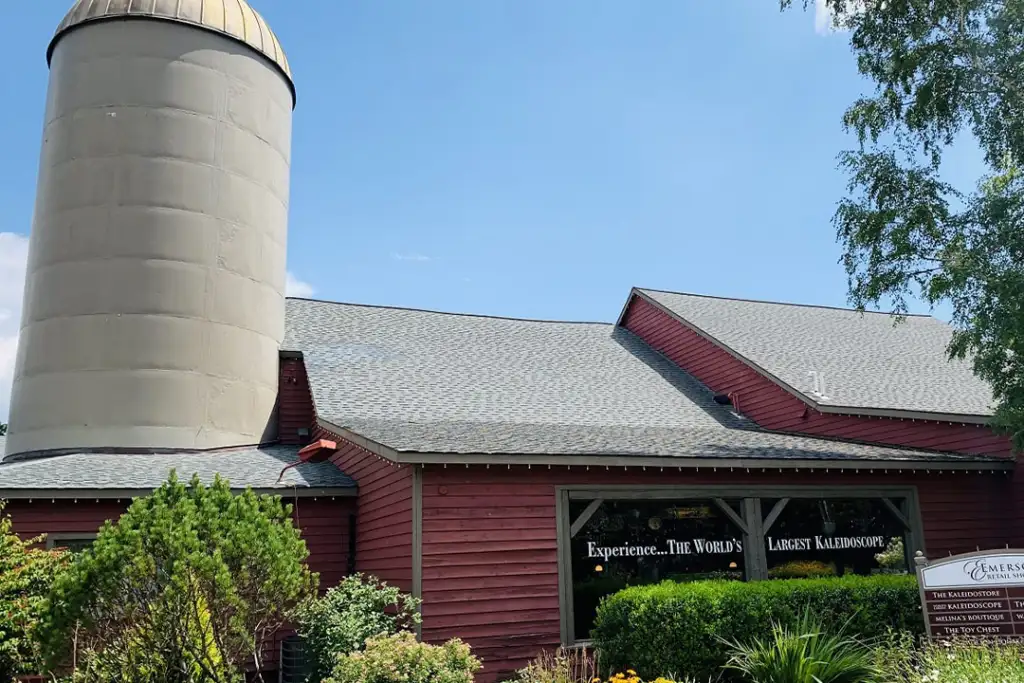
{"x": 154, "y": 302}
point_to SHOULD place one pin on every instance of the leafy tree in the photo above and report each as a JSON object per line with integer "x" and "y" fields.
{"x": 3, "y": 430}
{"x": 344, "y": 618}
{"x": 189, "y": 585}
{"x": 942, "y": 70}
{"x": 26, "y": 573}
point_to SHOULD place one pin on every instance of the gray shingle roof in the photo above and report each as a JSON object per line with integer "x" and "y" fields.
{"x": 865, "y": 360}
{"x": 255, "y": 468}
{"x": 427, "y": 382}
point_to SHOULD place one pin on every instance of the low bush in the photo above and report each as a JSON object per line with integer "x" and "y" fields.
{"x": 632, "y": 677}
{"x": 802, "y": 569}
{"x": 901, "y": 659}
{"x": 401, "y": 659}
{"x": 683, "y": 628}
{"x": 893, "y": 558}
{"x": 560, "y": 666}
{"x": 347, "y": 615}
{"x": 577, "y": 666}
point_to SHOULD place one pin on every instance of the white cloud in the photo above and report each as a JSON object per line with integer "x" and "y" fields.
{"x": 296, "y": 287}
{"x": 13, "y": 258}
{"x": 824, "y": 17}
{"x": 410, "y": 257}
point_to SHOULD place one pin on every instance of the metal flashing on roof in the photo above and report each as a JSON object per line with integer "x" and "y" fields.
{"x": 234, "y": 19}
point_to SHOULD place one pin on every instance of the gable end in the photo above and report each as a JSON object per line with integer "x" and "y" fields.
{"x": 773, "y": 405}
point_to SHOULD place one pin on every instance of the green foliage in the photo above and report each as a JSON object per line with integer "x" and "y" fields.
{"x": 400, "y": 659}
{"x": 943, "y": 70}
{"x": 802, "y": 569}
{"x": 803, "y": 653}
{"x": 902, "y": 660}
{"x": 679, "y": 627}
{"x": 189, "y": 585}
{"x": 348, "y": 615}
{"x": 26, "y": 573}
{"x": 3, "y": 429}
{"x": 893, "y": 557}
{"x": 560, "y": 666}
{"x": 130, "y": 658}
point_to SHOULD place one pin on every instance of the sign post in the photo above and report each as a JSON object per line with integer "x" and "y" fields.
{"x": 975, "y": 595}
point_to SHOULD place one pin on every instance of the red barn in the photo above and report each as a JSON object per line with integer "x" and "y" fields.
{"x": 511, "y": 472}
{"x": 508, "y": 472}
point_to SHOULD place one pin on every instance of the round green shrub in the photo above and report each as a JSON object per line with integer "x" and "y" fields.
{"x": 341, "y": 621}
{"x": 684, "y": 628}
{"x": 400, "y": 659}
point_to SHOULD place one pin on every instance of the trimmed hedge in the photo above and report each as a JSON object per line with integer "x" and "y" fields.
{"x": 676, "y": 629}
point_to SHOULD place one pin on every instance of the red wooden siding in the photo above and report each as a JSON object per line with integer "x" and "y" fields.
{"x": 490, "y": 573}
{"x": 294, "y": 403}
{"x": 62, "y": 516}
{"x": 772, "y": 407}
{"x": 384, "y": 517}
{"x": 324, "y": 525}
{"x": 323, "y": 522}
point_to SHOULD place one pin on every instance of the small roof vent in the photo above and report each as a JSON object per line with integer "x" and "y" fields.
{"x": 818, "y": 388}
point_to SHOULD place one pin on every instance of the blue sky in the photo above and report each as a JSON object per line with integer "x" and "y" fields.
{"x": 527, "y": 157}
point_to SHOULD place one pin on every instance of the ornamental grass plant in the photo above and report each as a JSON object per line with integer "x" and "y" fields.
{"x": 804, "y": 652}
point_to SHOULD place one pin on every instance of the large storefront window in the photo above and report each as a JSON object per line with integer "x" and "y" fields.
{"x": 609, "y": 540}
{"x": 833, "y": 537}
{"x": 633, "y": 542}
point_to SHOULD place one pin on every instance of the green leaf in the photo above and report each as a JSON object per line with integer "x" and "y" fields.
{"x": 942, "y": 70}
{"x": 189, "y": 585}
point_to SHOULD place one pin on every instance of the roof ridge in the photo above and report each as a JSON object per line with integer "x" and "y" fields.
{"x": 451, "y": 313}
{"x": 782, "y": 303}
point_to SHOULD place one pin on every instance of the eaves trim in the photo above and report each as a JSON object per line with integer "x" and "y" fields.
{"x": 678, "y": 462}
{"x": 115, "y": 494}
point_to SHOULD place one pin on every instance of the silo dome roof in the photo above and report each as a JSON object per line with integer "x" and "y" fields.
{"x": 233, "y": 18}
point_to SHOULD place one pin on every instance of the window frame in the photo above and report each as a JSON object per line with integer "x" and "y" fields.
{"x": 53, "y": 539}
{"x": 750, "y": 496}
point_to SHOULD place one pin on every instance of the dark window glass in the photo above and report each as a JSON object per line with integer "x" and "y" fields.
{"x": 75, "y": 545}
{"x": 833, "y": 537}
{"x": 295, "y": 665}
{"x": 627, "y": 543}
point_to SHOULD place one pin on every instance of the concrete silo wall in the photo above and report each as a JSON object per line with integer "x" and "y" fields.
{"x": 154, "y": 303}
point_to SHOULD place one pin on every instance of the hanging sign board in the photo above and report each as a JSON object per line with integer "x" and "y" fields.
{"x": 977, "y": 595}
